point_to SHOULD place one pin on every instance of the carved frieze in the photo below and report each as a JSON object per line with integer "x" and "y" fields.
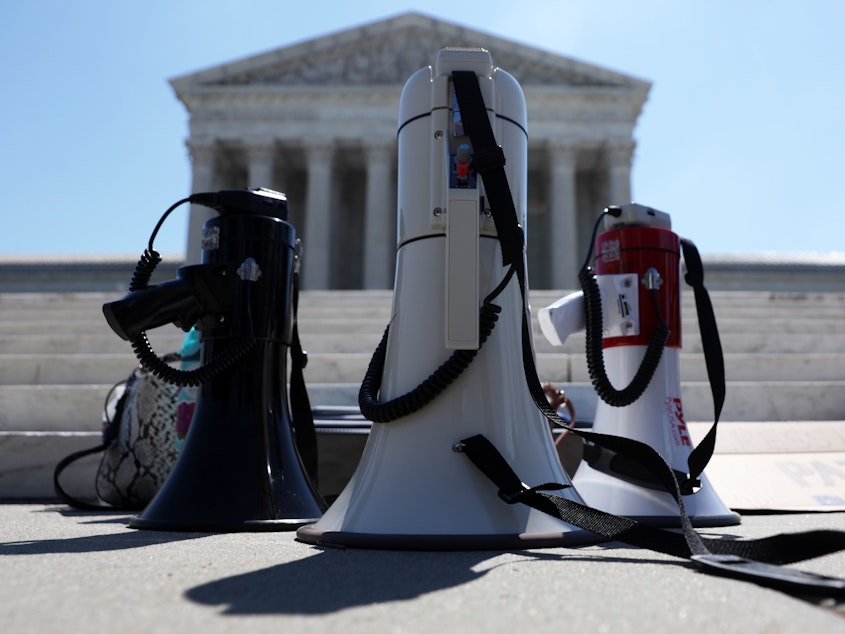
{"x": 388, "y": 52}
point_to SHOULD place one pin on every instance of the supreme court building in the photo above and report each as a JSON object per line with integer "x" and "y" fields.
{"x": 318, "y": 121}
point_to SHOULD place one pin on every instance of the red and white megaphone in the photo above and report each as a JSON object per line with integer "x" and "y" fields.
{"x": 437, "y": 383}
{"x": 631, "y": 310}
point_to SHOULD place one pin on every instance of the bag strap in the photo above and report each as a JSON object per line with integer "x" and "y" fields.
{"x": 109, "y": 435}
{"x": 750, "y": 560}
{"x": 300, "y": 404}
{"x": 713, "y": 356}
{"x": 66, "y": 497}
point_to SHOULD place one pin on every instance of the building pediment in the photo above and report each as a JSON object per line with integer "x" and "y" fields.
{"x": 388, "y": 52}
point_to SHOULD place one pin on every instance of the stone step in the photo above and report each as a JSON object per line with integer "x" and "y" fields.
{"x": 65, "y": 369}
{"x": 79, "y": 407}
{"x": 784, "y": 359}
{"x": 366, "y": 339}
{"x": 29, "y": 458}
{"x": 335, "y": 325}
{"x": 86, "y": 343}
{"x": 726, "y": 303}
{"x": 349, "y": 367}
{"x": 82, "y": 369}
{"x": 339, "y": 324}
{"x": 97, "y": 298}
{"x": 756, "y": 315}
{"x": 23, "y": 306}
{"x": 95, "y": 318}
{"x": 726, "y": 300}
{"x": 783, "y": 367}
{"x": 382, "y": 309}
{"x": 70, "y": 408}
{"x": 735, "y": 343}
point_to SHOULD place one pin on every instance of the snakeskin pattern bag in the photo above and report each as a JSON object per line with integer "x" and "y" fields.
{"x": 143, "y": 441}
{"x": 145, "y": 421}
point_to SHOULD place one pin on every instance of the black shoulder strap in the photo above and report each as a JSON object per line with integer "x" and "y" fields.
{"x": 713, "y": 357}
{"x": 301, "y": 414}
{"x": 66, "y": 497}
{"x": 751, "y": 560}
{"x": 756, "y": 560}
{"x": 108, "y": 437}
{"x": 488, "y": 160}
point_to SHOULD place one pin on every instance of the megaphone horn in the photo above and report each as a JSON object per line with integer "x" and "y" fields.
{"x": 240, "y": 468}
{"x": 631, "y": 310}
{"x": 411, "y": 490}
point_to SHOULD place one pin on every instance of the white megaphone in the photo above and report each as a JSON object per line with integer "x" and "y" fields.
{"x": 636, "y": 283}
{"x": 437, "y": 383}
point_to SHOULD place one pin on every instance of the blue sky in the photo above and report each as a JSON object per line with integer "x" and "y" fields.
{"x": 741, "y": 140}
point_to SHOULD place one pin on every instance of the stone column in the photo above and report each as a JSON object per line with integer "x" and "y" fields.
{"x": 260, "y": 156}
{"x": 202, "y": 153}
{"x": 378, "y": 239}
{"x": 316, "y": 237}
{"x": 563, "y": 245}
{"x": 618, "y": 157}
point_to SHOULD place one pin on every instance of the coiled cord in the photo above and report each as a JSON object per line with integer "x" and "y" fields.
{"x": 221, "y": 362}
{"x": 147, "y": 357}
{"x": 436, "y": 382}
{"x": 595, "y": 356}
{"x": 594, "y": 327}
{"x": 147, "y": 263}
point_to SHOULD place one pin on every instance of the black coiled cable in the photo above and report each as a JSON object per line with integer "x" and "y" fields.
{"x": 221, "y": 362}
{"x": 595, "y": 356}
{"x": 147, "y": 263}
{"x": 436, "y": 382}
{"x": 147, "y": 357}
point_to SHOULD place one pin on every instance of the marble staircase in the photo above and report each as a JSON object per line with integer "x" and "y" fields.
{"x": 784, "y": 359}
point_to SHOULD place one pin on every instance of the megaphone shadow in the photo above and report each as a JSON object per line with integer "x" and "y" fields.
{"x": 336, "y": 579}
{"x": 333, "y": 580}
{"x": 94, "y": 543}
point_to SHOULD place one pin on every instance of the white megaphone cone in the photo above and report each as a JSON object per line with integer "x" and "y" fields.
{"x": 637, "y": 281}
{"x": 411, "y": 490}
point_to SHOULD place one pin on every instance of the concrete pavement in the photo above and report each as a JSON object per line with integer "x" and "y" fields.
{"x": 69, "y": 571}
